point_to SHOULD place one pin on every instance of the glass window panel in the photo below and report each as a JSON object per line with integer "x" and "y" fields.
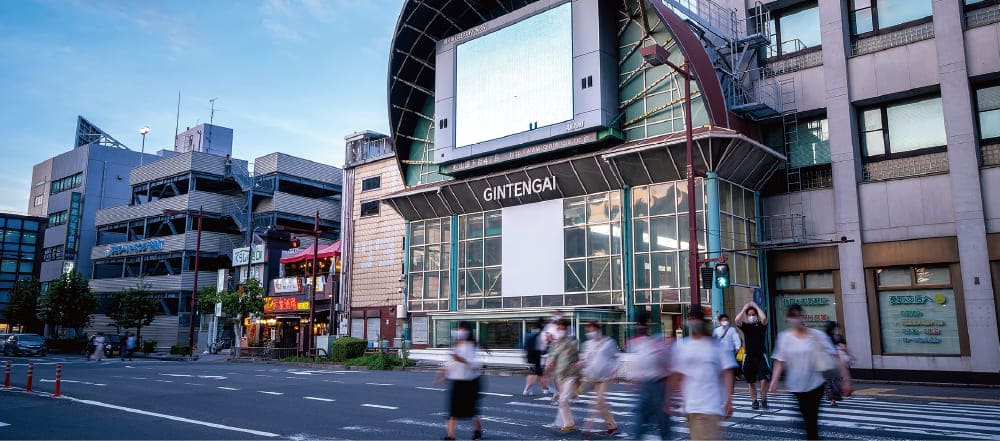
{"x": 615, "y": 205}
{"x": 894, "y": 12}
{"x": 664, "y": 270}
{"x": 29, "y": 237}
{"x": 751, "y": 206}
{"x": 445, "y": 285}
{"x": 702, "y": 232}
{"x": 726, "y": 196}
{"x": 640, "y": 235}
{"x": 431, "y": 285}
{"x": 821, "y": 280}
{"x": 988, "y": 98}
{"x": 576, "y": 276}
{"x": 474, "y": 253}
{"x": 14, "y": 223}
{"x": 680, "y": 196}
{"x": 433, "y": 257}
{"x": 740, "y": 277}
{"x": 575, "y": 242}
{"x": 921, "y": 321}
{"x": 8, "y": 266}
{"x": 446, "y": 230}
{"x": 893, "y": 276}
{"x": 684, "y": 273}
{"x": 861, "y": 21}
{"x": 989, "y": 124}
{"x": 811, "y": 144}
{"x": 873, "y": 119}
{"x": 640, "y": 201}
{"x": 493, "y": 252}
{"x": 599, "y": 240}
{"x": 597, "y": 208}
{"x": 493, "y": 281}
{"x": 417, "y": 233}
{"x": 461, "y": 255}
{"x": 932, "y": 275}
{"x": 859, "y": 4}
{"x": 726, "y": 232}
{"x": 600, "y": 298}
{"x": 445, "y": 256}
{"x": 616, "y": 239}
{"x": 754, "y": 271}
{"x": 788, "y": 281}
{"x": 31, "y": 225}
{"x": 474, "y": 225}
{"x": 616, "y": 272}
{"x": 474, "y": 282}
{"x": 642, "y": 271}
{"x": 574, "y": 211}
{"x": 434, "y": 231}
{"x": 660, "y": 199}
{"x": 599, "y": 274}
{"x": 682, "y": 232}
{"x": 738, "y": 202}
{"x": 740, "y": 234}
{"x": 916, "y": 125}
{"x": 663, "y": 232}
{"x": 800, "y": 29}
{"x": 873, "y": 144}
{"x": 417, "y": 259}
{"x": 12, "y": 236}
{"x": 417, "y": 286}
{"x": 494, "y": 223}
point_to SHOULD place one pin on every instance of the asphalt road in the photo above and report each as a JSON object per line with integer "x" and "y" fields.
{"x": 151, "y": 399}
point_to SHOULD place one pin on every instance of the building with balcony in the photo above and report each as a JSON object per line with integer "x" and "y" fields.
{"x": 20, "y": 243}
{"x": 844, "y": 155}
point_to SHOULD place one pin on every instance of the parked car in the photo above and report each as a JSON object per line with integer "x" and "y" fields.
{"x": 112, "y": 345}
{"x": 3, "y": 341}
{"x": 25, "y": 344}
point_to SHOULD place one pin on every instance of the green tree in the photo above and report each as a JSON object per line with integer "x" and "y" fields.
{"x": 134, "y": 308}
{"x": 69, "y": 304}
{"x": 23, "y": 309}
{"x": 246, "y": 301}
{"x": 208, "y": 296}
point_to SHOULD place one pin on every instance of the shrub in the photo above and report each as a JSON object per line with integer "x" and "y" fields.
{"x": 180, "y": 350}
{"x": 67, "y": 345}
{"x": 148, "y": 346}
{"x": 379, "y": 361}
{"x": 347, "y": 348}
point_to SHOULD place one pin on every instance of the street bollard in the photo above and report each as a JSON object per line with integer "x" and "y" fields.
{"x": 58, "y": 380}
{"x": 6, "y": 377}
{"x": 31, "y": 372}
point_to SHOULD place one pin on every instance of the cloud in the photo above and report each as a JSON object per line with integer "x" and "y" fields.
{"x": 295, "y": 20}
{"x": 149, "y": 16}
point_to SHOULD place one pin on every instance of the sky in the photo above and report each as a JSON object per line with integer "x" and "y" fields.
{"x": 294, "y": 76}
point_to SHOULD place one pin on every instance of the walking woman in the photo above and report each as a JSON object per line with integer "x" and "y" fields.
{"x": 834, "y": 390}
{"x": 463, "y": 370}
{"x": 599, "y": 360}
{"x": 563, "y": 363}
{"x": 803, "y": 354}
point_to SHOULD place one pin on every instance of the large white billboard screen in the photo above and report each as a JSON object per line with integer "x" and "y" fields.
{"x": 515, "y": 79}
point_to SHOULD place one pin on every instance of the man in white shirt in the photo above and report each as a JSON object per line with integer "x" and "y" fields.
{"x": 727, "y": 336}
{"x": 703, "y": 372}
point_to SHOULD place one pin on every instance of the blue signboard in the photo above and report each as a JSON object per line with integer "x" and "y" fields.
{"x": 73, "y": 223}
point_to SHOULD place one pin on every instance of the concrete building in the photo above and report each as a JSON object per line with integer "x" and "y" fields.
{"x": 20, "y": 244}
{"x": 845, "y": 155}
{"x": 69, "y": 189}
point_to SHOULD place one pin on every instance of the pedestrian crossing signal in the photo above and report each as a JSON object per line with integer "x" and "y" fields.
{"x": 722, "y": 276}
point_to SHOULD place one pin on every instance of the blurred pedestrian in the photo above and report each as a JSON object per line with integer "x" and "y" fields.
{"x": 598, "y": 362}
{"x": 729, "y": 337}
{"x": 703, "y": 373}
{"x": 549, "y": 332}
{"x": 533, "y": 355}
{"x": 128, "y": 346}
{"x": 804, "y": 355}
{"x": 756, "y": 368}
{"x": 463, "y": 370}
{"x": 98, "y": 353}
{"x": 649, "y": 368}
{"x": 834, "y": 391}
{"x": 563, "y": 364}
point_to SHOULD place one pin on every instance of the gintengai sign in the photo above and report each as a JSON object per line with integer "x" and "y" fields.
{"x": 520, "y": 188}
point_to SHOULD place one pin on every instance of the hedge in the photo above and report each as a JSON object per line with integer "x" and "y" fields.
{"x": 379, "y": 361}
{"x": 346, "y": 348}
{"x": 180, "y": 350}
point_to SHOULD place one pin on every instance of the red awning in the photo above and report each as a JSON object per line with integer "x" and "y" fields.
{"x": 325, "y": 252}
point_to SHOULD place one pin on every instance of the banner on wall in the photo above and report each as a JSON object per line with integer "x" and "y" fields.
{"x": 817, "y": 309}
{"x": 919, "y": 322}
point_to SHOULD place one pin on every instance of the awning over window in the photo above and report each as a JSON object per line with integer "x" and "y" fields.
{"x": 325, "y": 252}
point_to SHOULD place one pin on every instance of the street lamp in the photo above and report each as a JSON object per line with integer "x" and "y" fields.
{"x": 143, "y": 131}
{"x": 194, "y": 288}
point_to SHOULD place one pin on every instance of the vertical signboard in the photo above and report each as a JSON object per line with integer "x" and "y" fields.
{"x": 73, "y": 225}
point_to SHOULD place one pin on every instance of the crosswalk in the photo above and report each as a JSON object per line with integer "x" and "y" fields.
{"x": 855, "y": 418}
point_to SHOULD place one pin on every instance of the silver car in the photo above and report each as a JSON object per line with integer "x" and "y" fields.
{"x": 25, "y": 344}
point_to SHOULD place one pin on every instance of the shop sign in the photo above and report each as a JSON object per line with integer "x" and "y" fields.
{"x": 420, "y": 331}
{"x": 519, "y": 188}
{"x": 817, "y": 309}
{"x": 248, "y": 255}
{"x": 283, "y": 304}
{"x": 73, "y": 223}
{"x": 288, "y": 284}
{"x": 320, "y": 283}
{"x": 134, "y": 247}
{"x": 919, "y": 322}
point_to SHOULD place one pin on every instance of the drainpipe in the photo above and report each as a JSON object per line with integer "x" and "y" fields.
{"x": 714, "y": 227}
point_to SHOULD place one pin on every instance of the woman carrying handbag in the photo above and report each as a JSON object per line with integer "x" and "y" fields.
{"x": 806, "y": 356}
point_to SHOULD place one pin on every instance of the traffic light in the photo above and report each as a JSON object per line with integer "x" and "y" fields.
{"x": 722, "y": 276}
{"x": 294, "y": 243}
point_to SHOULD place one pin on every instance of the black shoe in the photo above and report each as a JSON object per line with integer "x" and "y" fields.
{"x": 478, "y": 434}
{"x": 755, "y": 405}
{"x": 764, "y": 403}
{"x": 448, "y": 437}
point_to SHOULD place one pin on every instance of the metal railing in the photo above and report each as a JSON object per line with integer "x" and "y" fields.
{"x": 816, "y": 177}
{"x": 368, "y": 149}
{"x": 912, "y": 34}
{"x": 263, "y": 352}
{"x": 793, "y": 64}
{"x": 710, "y": 15}
{"x": 783, "y": 228}
{"x": 982, "y": 16}
{"x": 929, "y": 164}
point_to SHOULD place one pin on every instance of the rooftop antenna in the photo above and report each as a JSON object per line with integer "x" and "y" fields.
{"x": 211, "y": 119}
{"x": 177, "y": 122}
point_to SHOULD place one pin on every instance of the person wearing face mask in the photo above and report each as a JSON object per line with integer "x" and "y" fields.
{"x": 548, "y": 336}
{"x": 564, "y": 357}
{"x": 598, "y": 361}
{"x": 794, "y": 356}
{"x": 834, "y": 390}
{"x": 463, "y": 370}
{"x": 753, "y": 323}
{"x": 703, "y": 373}
{"x": 650, "y": 369}
{"x": 727, "y": 336}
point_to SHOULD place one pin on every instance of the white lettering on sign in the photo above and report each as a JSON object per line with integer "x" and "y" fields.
{"x": 518, "y": 189}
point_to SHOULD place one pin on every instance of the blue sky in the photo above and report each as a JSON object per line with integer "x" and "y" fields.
{"x": 294, "y": 76}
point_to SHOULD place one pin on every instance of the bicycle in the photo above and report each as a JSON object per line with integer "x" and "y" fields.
{"x": 219, "y": 345}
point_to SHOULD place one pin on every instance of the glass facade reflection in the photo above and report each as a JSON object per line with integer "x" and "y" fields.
{"x": 593, "y": 246}
{"x": 479, "y": 260}
{"x": 20, "y": 242}
{"x": 429, "y": 282}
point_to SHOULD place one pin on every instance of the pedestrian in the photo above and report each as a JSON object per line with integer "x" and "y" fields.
{"x": 98, "y": 353}
{"x": 803, "y": 355}
{"x": 728, "y": 337}
{"x": 565, "y": 370}
{"x": 649, "y": 368}
{"x": 129, "y": 348}
{"x": 753, "y": 323}
{"x": 834, "y": 381}
{"x": 533, "y": 349}
{"x": 463, "y": 370}
{"x": 598, "y": 361}
{"x": 548, "y": 336}
{"x": 703, "y": 373}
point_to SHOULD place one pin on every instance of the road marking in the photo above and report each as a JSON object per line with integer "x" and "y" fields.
{"x": 295, "y": 378}
{"x": 379, "y": 384}
{"x": 174, "y": 418}
{"x": 226, "y": 388}
{"x": 495, "y": 394}
{"x": 4, "y": 424}
{"x": 319, "y": 399}
{"x": 271, "y": 393}
{"x": 431, "y": 388}
{"x": 333, "y": 381}
{"x": 379, "y": 406}
{"x": 194, "y": 384}
{"x": 212, "y": 377}
{"x": 178, "y": 375}
{"x": 503, "y": 421}
{"x": 261, "y": 375}
{"x": 164, "y": 381}
{"x": 140, "y": 378}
